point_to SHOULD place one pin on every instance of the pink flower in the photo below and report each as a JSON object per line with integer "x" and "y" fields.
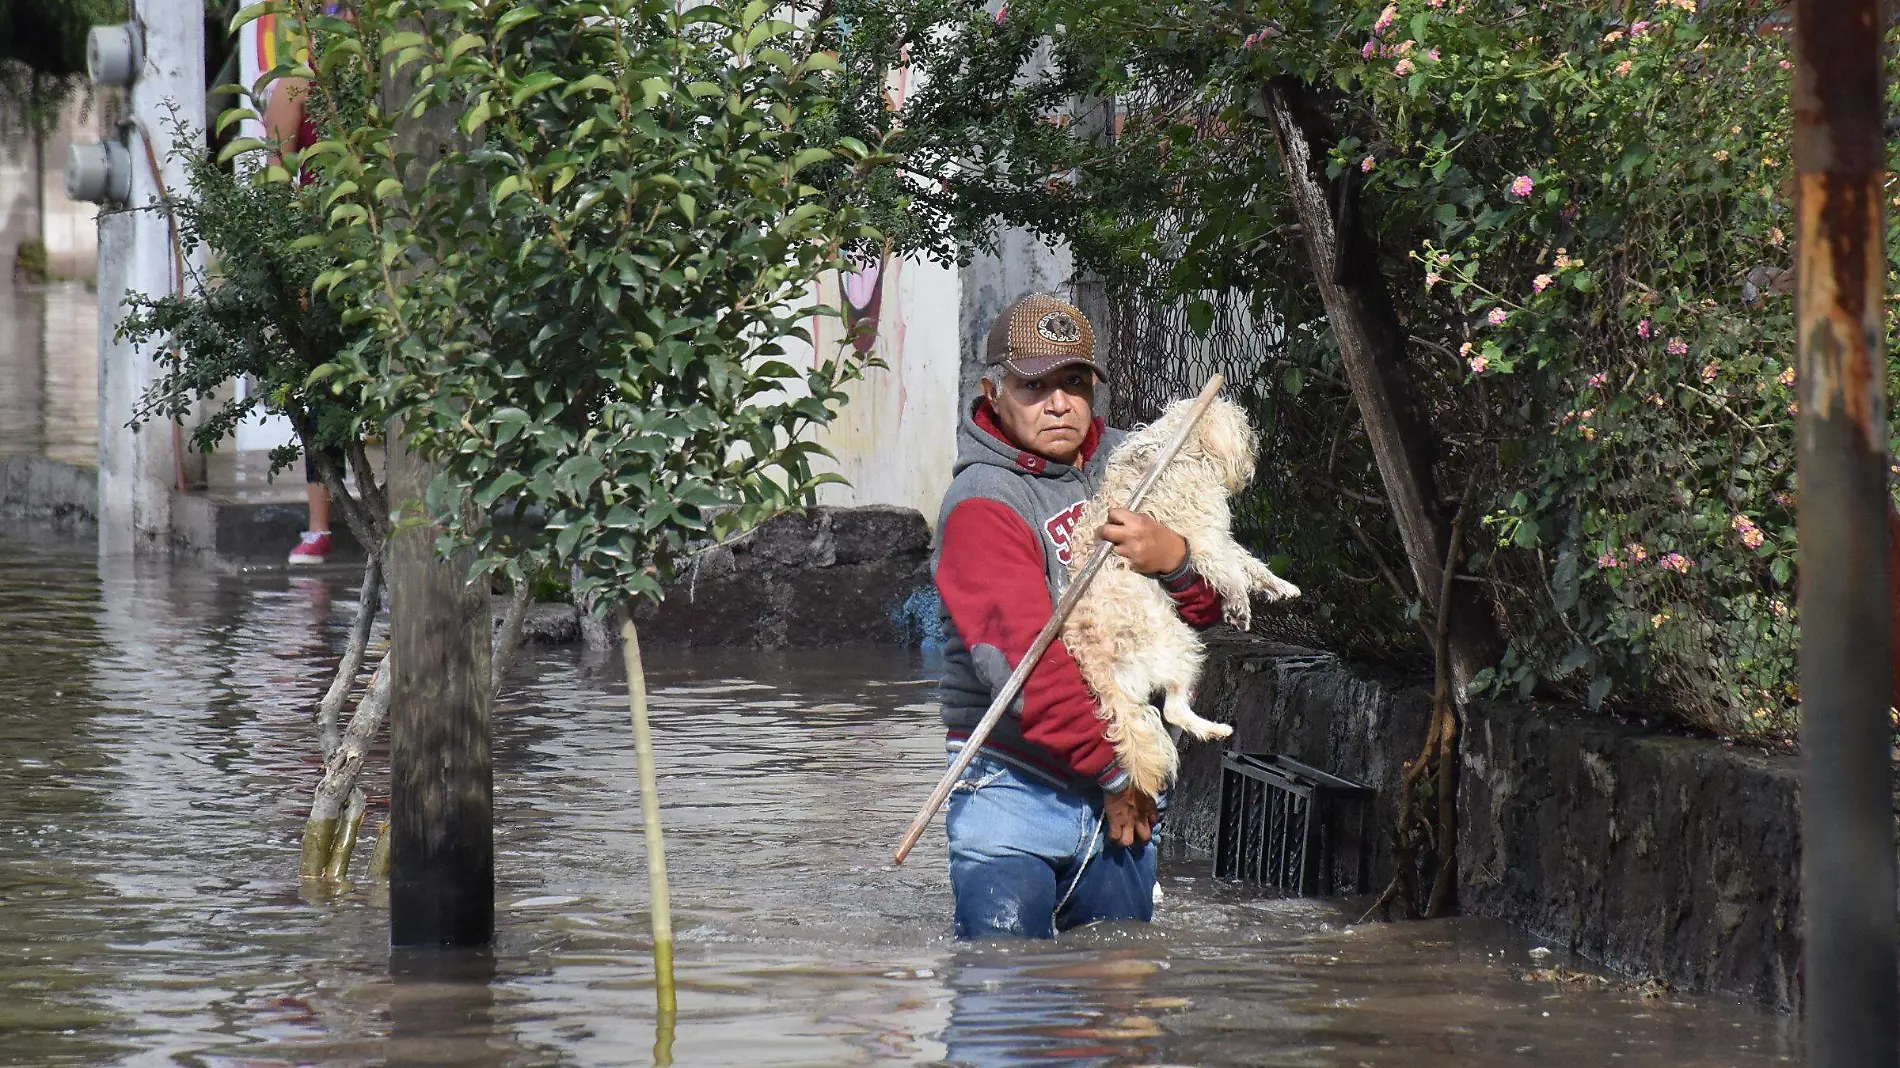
{"x": 1598, "y": 380}
{"x": 1404, "y": 48}
{"x": 1386, "y": 18}
{"x": 1623, "y": 69}
{"x": 1786, "y": 377}
{"x": 1676, "y": 562}
{"x": 1642, "y": 329}
{"x": 1785, "y": 65}
{"x": 1677, "y": 347}
{"x": 1608, "y": 561}
{"x": 1541, "y": 282}
{"x": 1432, "y": 278}
{"x": 1434, "y": 3}
{"x": 1366, "y": 165}
{"x": 1710, "y": 370}
{"x": 1433, "y": 54}
{"x": 1497, "y": 316}
{"x": 1751, "y": 534}
{"x": 1479, "y": 363}
{"x": 1403, "y": 68}
{"x": 1002, "y": 14}
{"x": 1522, "y": 185}
{"x": 1638, "y": 28}
{"x": 1371, "y": 49}
{"x": 1613, "y": 36}
{"x": 1785, "y": 499}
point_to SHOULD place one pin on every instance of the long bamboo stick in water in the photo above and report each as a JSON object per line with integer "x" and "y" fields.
{"x": 650, "y": 808}
{"x": 1049, "y": 631}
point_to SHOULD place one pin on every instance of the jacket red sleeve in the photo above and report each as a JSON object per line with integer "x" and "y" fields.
{"x": 1195, "y": 599}
{"x": 990, "y": 574}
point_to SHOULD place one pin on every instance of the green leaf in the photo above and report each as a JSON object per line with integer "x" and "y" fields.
{"x": 503, "y": 484}
{"x": 689, "y": 207}
{"x": 503, "y": 190}
{"x": 810, "y": 156}
{"x": 1200, "y": 317}
{"x": 461, "y": 45}
{"x": 532, "y": 84}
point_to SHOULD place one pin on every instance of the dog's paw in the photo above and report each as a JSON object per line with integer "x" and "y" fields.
{"x": 1280, "y": 589}
{"x": 1216, "y": 730}
{"x": 1238, "y": 614}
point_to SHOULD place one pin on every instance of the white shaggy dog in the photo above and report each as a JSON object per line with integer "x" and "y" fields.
{"x": 1124, "y": 632}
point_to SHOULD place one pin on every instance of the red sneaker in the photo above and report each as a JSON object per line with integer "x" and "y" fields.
{"x": 314, "y": 548}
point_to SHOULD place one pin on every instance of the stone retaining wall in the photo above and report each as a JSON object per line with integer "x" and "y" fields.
{"x": 1656, "y": 855}
{"x": 49, "y": 493}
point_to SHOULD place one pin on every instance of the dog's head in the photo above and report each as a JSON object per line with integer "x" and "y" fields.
{"x": 1226, "y": 441}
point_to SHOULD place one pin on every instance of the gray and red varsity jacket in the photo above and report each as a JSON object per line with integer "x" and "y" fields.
{"x": 1004, "y": 540}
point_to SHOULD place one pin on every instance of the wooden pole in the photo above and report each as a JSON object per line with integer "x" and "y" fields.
{"x": 1047, "y": 637}
{"x": 441, "y": 819}
{"x": 1847, "y": 859}
{"x": 662, "y": 909}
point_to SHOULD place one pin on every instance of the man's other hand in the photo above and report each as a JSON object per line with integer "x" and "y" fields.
{"x": 1130, "y": 815}
{"x": 1149, "y": 547}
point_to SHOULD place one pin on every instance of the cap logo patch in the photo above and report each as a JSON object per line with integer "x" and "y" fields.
{"x": 1060, "y": 327}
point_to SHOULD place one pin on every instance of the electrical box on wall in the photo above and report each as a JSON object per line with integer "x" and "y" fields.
{"x": 115, "y": 53}
{"x": 100, "y": 172}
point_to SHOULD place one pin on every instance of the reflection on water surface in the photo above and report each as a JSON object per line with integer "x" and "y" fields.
{"x": 156, "y": 755}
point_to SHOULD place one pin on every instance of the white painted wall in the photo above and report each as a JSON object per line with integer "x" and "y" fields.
{"x": 896, "y": 438}
{"x": 71, "y": 229}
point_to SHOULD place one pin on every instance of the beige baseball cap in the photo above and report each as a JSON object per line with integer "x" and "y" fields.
{"x": 1039, "y": 334}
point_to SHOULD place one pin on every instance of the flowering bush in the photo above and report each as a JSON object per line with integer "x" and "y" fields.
{"x": 1581, "y": 217}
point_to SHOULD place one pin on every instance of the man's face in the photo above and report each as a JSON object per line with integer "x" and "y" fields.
{"x": 1048, "y": 416}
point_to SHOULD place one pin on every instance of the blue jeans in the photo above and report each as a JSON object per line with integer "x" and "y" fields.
{"x": 1028, "y": 859}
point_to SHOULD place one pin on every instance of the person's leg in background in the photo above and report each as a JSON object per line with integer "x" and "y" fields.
{"x": 314, "y": 546}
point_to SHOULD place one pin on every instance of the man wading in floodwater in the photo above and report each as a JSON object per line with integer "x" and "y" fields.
{"x": 1045, "y": 831}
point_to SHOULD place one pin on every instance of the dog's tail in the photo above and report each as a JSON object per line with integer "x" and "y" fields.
{"x": 1141, "y": 741}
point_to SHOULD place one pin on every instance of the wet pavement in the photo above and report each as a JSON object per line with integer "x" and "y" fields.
{"x": 156, "y": 757}
{"x": 49, "y": 372}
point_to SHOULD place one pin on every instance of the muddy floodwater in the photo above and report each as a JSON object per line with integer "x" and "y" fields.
{"x": 156, "y": 757}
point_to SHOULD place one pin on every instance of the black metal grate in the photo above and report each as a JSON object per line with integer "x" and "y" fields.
{"x": 1290, "y": 827}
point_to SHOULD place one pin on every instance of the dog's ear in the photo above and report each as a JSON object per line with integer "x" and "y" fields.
{"x": 1229, "y": 443}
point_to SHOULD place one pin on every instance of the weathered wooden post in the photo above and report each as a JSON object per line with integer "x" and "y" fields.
{"x": 441, "y": 812}
{"x": 1847, "y": 826}
{"x": 441, "y": 803}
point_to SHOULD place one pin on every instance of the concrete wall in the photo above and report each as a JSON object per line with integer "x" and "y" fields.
{"x": 71, "y": 232}
{"x": 1657, "y": 855}
{"x": 896, "y": 439}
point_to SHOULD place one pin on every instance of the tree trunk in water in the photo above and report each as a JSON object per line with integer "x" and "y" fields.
{"x": 369, "y": 603}
{"x": 508, "y": 637}
{"x": 320, "y": 835}
{"x": 594, "y": 633}
{"x": 1345, "y": 259}
{"x": 1372, "y": 346}
{"x": 442, "y": 872}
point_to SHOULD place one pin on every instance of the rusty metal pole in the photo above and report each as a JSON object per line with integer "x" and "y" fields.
{"x": 1847, "y": 818}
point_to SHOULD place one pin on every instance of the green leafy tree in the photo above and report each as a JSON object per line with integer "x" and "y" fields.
{"x": 581, "y": 308}
{"x": 1580, "y": 217}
